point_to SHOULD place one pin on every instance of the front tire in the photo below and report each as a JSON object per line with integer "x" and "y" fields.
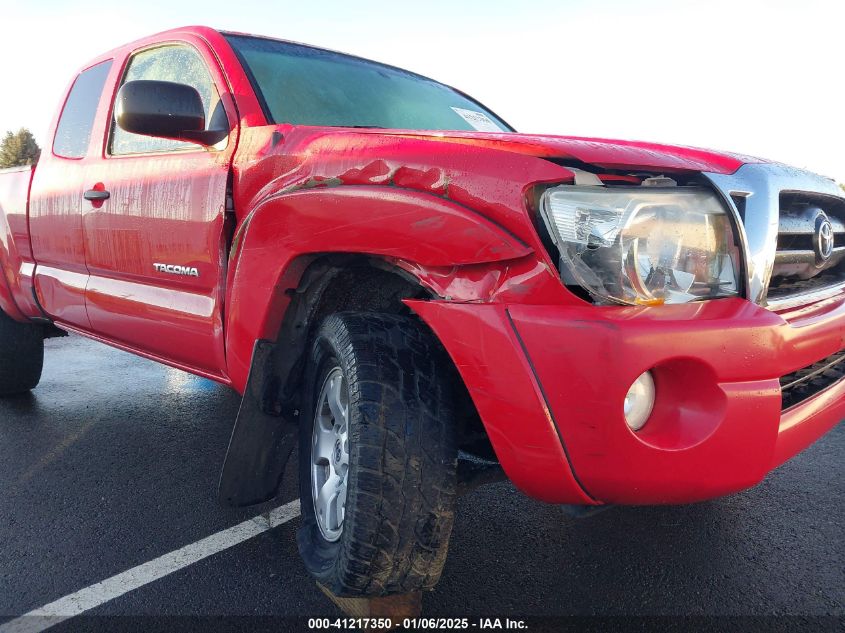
{"x": 21, "y": 356}
{"x": 377, "y": 456}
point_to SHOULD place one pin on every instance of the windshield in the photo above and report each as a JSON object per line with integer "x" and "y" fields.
{"x": 310, "y": 86}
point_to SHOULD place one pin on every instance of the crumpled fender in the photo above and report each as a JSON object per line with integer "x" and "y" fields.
{"x": 374, "y": 220}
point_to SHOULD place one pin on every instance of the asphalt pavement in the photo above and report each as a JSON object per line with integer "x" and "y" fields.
{"x": 113, "y": 461}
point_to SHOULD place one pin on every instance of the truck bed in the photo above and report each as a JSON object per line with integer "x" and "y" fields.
{"x": 15, "y": 252}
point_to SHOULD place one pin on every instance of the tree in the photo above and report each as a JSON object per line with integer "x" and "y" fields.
{"x": 843, "y": 187}
{"x": 19, "y": 148}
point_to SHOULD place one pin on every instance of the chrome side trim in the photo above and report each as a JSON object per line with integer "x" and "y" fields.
{"x": 761, "y": 184}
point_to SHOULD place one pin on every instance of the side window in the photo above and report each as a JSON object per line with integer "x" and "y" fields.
{"x": 77, "y": 119}
{"x": 177, "y": 63}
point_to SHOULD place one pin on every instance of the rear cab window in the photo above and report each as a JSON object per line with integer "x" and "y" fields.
{"x": 73, "y": 132}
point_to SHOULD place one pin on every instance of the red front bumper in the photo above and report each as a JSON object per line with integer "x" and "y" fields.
{"x": 549, "y": 383}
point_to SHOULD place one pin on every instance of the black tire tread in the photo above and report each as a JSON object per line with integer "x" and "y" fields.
{"x": 400, "y": 506}
{"x": 21, "y": 355}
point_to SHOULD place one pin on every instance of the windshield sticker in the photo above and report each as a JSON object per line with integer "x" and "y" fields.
{"x": 478, "y": 120}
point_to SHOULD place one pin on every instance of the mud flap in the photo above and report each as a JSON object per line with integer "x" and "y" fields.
{"x": 262, "y": 440}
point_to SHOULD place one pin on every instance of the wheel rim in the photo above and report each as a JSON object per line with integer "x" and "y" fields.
{"x": 330, "y": 455}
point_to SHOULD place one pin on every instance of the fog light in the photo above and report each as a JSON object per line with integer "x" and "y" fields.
{"x": 639, "y": 401}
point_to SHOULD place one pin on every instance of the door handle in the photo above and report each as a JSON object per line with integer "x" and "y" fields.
{"x": 96, "y": 195}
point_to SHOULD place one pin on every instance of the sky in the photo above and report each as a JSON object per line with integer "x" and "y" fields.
{"x": 759, "y": 77}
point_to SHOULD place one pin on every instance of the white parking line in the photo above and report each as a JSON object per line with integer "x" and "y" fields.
{"x": 116, "y": 586}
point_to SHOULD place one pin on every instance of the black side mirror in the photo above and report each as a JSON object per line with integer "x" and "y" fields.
{"x": 164, "y": 109}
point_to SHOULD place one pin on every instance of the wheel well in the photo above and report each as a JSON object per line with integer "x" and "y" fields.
{"x": 368, "y": 285}
{"x": 340, "y": 283}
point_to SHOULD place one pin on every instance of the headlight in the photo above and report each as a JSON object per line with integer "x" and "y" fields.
{"x": 642, "y": 245}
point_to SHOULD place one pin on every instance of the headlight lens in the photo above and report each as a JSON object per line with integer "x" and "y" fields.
{"x": 642, "y": 245}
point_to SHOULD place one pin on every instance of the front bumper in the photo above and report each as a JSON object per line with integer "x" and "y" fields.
{"x": 549, "y": 383}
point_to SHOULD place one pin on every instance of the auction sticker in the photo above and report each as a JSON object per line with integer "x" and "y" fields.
{"x": 478, "y": 120}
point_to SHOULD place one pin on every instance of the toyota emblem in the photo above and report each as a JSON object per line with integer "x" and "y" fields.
{"x": 823, "y": 239}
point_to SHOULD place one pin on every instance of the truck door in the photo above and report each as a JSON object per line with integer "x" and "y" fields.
{"x": 155, "y": 239}
{"x": 56, "y": 202}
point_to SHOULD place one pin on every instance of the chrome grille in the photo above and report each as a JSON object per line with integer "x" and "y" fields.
{"x": 778, "y": 210}
{"x": 801, "y": 264}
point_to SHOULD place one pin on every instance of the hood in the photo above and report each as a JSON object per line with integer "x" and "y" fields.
{"x": 605, "y": 153}
{"x": 485, "y": 172}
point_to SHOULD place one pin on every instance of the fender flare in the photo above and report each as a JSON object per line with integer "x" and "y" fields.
{"x": 271, "y": 248}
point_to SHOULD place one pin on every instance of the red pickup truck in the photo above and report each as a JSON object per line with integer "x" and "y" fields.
{"x": 397, "y": 281}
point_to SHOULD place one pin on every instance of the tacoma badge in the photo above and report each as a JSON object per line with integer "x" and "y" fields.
{"x": 173, "y": 269}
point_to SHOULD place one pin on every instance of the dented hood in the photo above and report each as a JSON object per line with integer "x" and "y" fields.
{"x": 609, "y": 154}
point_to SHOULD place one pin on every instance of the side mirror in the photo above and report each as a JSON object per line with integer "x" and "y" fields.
{"x": 164, "y": 109}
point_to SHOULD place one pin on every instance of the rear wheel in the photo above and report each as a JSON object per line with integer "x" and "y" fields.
{"x": 377, "y": 456}
{"x": 21, "y": 355}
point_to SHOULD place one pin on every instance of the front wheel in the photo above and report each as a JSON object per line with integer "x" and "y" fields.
{"x": 377, "y": 456}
